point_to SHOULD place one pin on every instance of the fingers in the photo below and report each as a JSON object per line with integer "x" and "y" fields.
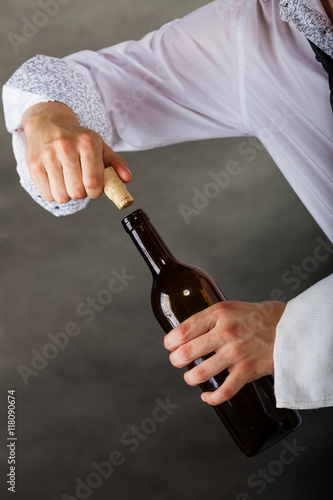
{"x": 92, "y": 166}
{"x": 68, "y": 176}
{"x": 46, "y": 172}
{"x": 232, "y": 384}
{"x": 42, "y": 182}
{"x": 110, "y": 158}
{"x": 193, "y": 327}
{"x": 72, "y": 175}
{"x": 72, "y": 167}
{"x": 207, "y": 369}
{"x": 241, "y": 337}
{"x": 200, "y": 346}
{"x": 93, "y": 163}
{"x": 57, "y": 184}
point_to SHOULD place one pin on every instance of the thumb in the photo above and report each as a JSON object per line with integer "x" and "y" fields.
{"x": 112, "y": 159}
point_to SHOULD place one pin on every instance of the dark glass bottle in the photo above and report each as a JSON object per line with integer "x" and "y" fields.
{"x": 179, "y": 291}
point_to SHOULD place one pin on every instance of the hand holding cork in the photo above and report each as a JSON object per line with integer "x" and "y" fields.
{"x": 116, "y": 190}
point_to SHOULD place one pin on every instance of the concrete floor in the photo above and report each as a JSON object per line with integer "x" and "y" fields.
{"x": 77, "y": 409}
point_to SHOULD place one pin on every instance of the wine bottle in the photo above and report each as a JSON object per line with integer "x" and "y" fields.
{"x": 181, "y": 290}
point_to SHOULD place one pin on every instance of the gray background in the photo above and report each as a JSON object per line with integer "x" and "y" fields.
{"x": 75, "y": 411}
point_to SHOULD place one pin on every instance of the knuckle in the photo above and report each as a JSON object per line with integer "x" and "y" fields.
{"x": 62, "y": 198}
{"x": 224, "y": 315}
{"x": 94, "y": 193}
{"x": 185, "y": 352}
{"x": 224, "y": 306}
{"x": 232, "y": 331}
{"x": 182, "y": 332}
{"x": 77, "y": 193}
{"x": 238, "y": 350}
{"x": 225, "y": 334}
{"x": 219, "y": 308}
{"x": 88, "y": 139}
{"x": 34, "y": 165}
{"x": 92, "y": 182}
{"x": 201, "y": 374}
{"x": 249, "y": 371}
{"x": 225, "y": 395}
{"x": 48, "y": 155}
{"x": 64, "y": 144}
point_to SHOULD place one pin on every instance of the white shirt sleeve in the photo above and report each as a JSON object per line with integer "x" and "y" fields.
{"x": 303, "y": 351}
{"x": 176, "y": 84}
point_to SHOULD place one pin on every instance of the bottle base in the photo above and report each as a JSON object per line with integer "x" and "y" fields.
{"x": 263, "y": 444}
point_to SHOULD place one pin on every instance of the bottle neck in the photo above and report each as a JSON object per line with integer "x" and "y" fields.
{"x": 148, "y": 241}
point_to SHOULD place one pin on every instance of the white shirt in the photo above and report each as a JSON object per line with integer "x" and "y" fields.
{"x": 231, "y": 68}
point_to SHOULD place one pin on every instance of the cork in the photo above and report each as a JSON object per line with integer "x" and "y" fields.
{"x": 116, "y": 190}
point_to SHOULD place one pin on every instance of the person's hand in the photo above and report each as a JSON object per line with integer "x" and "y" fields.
{"x": 66, "y": 161}
{"x": 242, "y": 336}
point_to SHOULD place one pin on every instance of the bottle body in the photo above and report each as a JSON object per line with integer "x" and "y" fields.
{"x": 179, "y": 291}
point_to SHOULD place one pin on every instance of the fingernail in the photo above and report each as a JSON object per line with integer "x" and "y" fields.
{"x": 124, "y": 164}
{"x": 203, "y": 397}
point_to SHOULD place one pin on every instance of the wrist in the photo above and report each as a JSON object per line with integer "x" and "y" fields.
{"x": 45, "y": 112}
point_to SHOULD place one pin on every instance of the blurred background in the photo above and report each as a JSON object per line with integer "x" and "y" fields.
{"x": 80, "y": 406}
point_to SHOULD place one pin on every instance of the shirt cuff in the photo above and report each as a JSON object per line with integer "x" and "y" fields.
{"x": 303, "y": 350}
